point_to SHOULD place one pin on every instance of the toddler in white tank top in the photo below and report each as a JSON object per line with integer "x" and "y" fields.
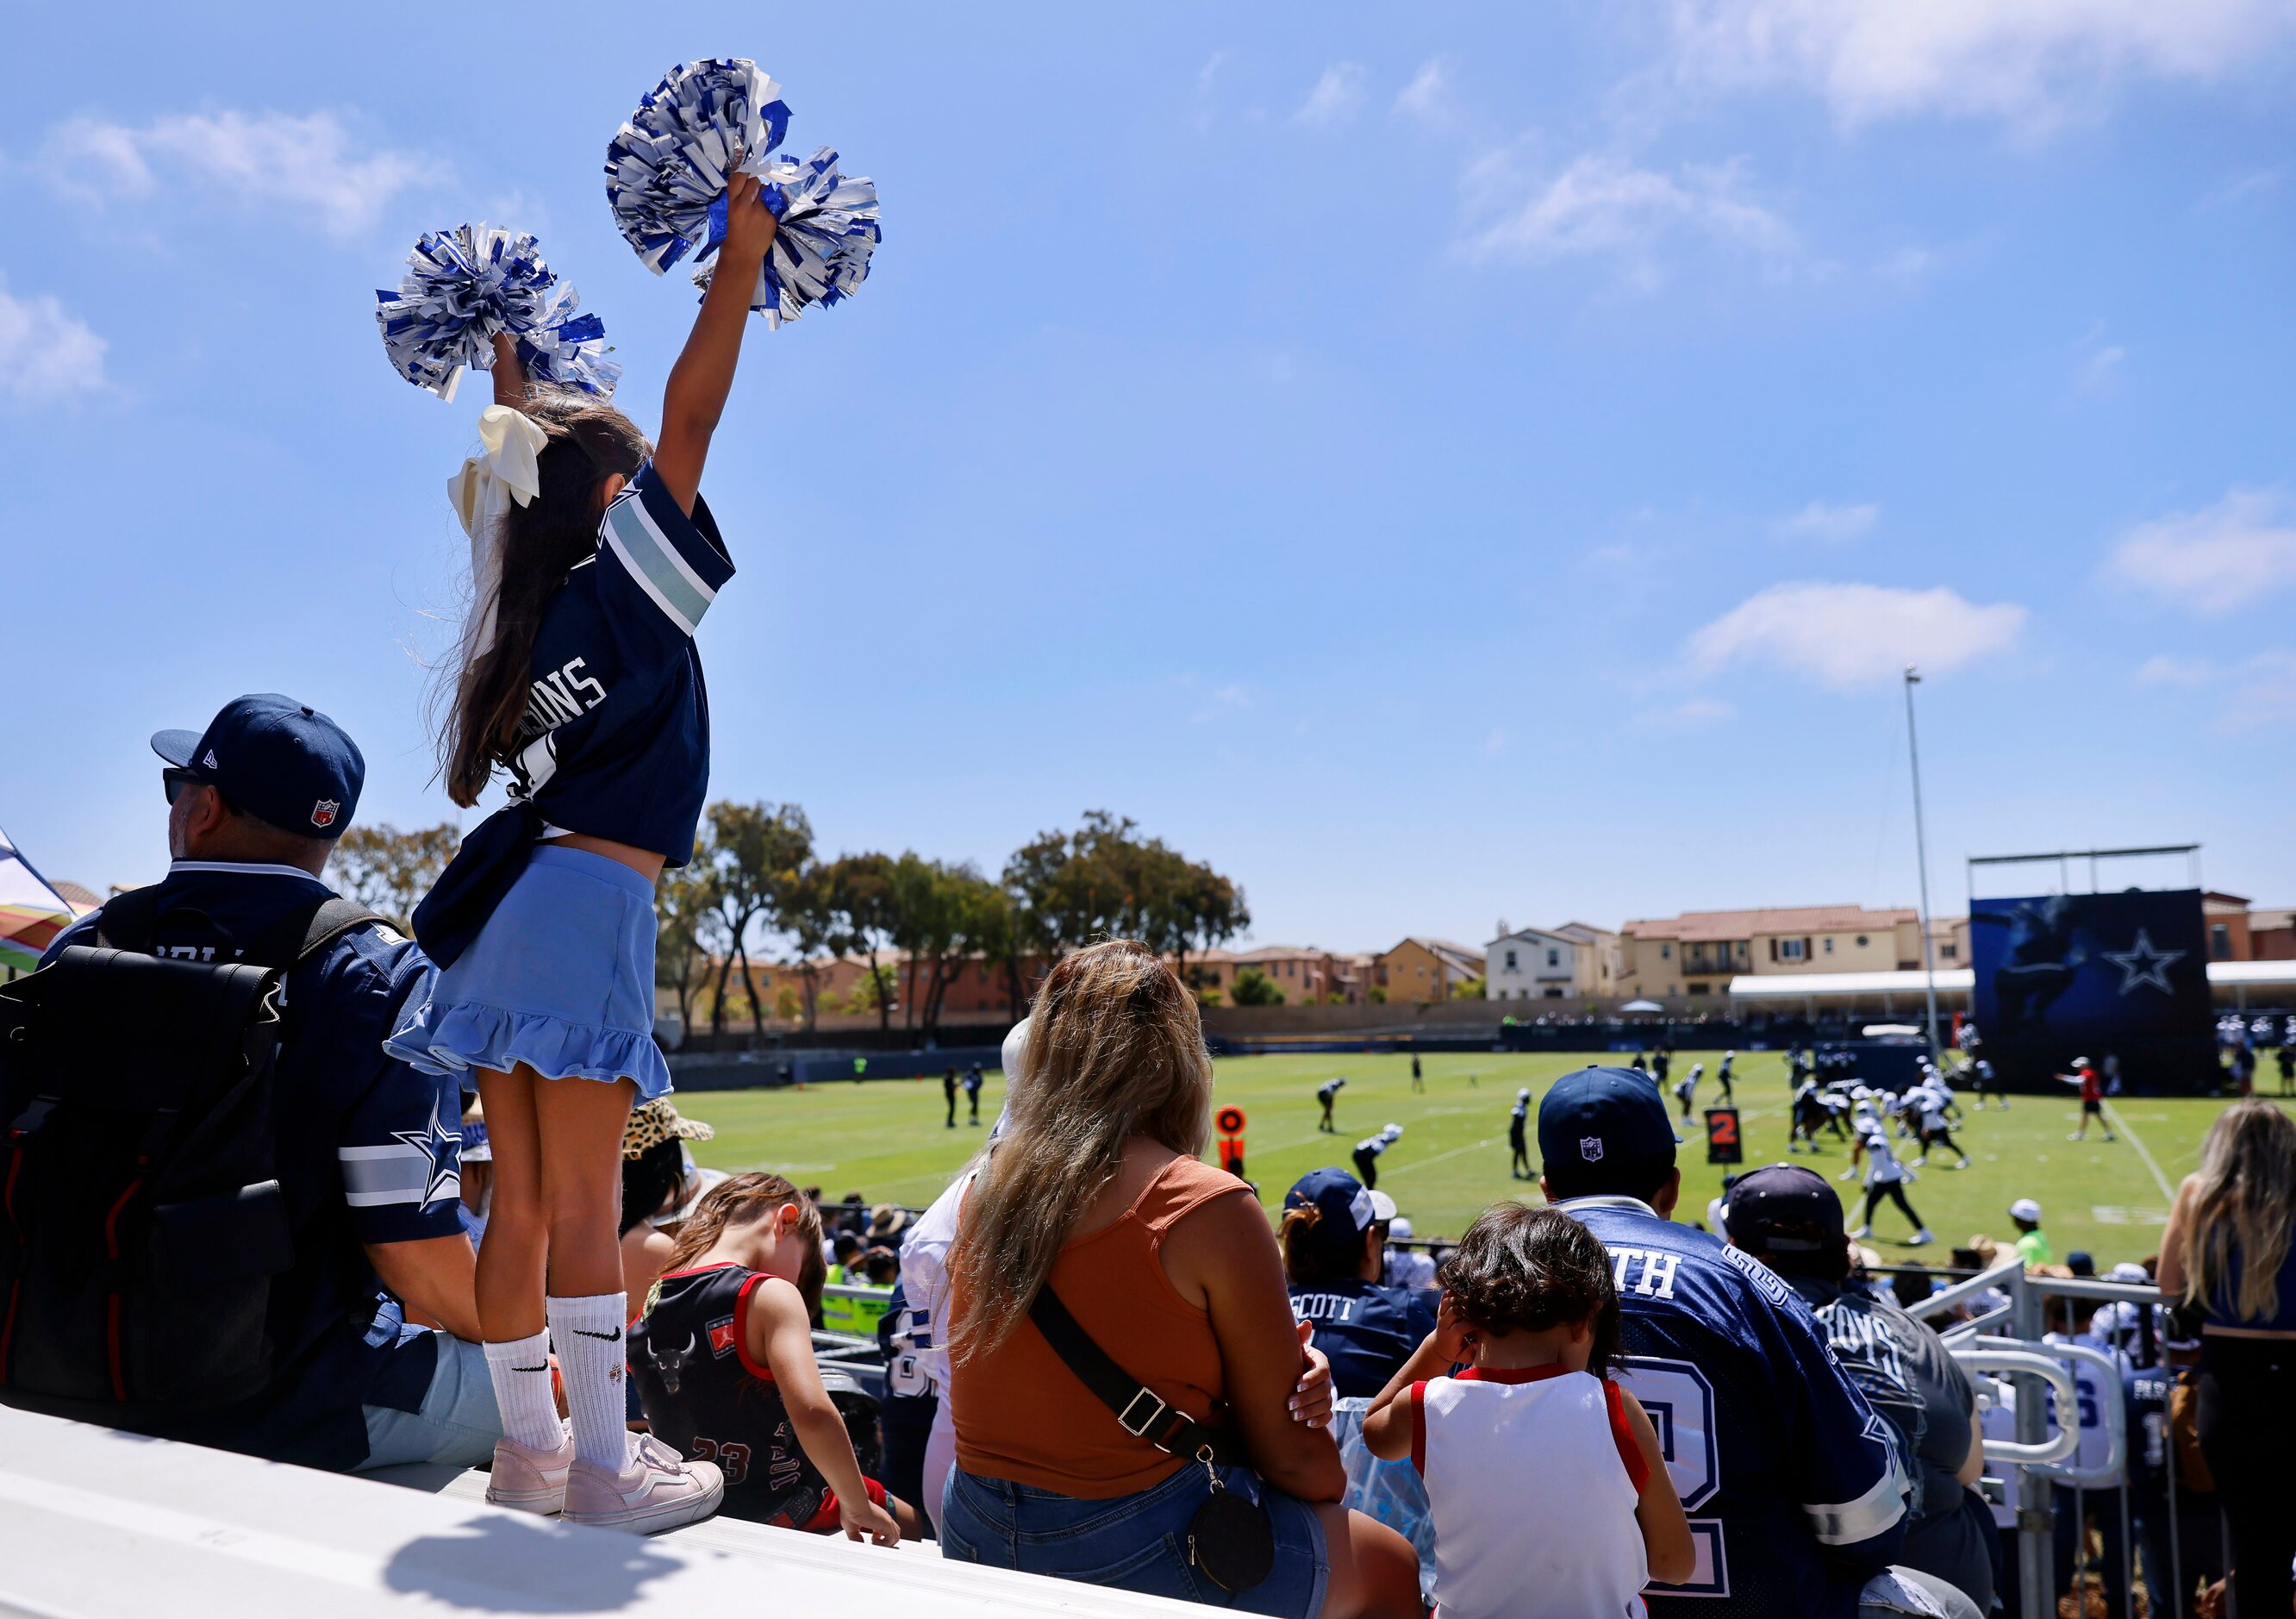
{"x": 1550, "y": 1497}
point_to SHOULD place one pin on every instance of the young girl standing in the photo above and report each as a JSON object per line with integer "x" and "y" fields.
{"x": 723, "y": 1358}
{"x": 1550, "y": 1497}
{"x": 580, "y": 679}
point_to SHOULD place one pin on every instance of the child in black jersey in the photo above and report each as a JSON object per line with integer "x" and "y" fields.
{"x": 723, "y": 1358}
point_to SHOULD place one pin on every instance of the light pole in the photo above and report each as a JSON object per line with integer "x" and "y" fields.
{"x": 1921, "y": 854}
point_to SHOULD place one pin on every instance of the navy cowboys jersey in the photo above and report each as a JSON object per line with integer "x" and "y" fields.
{"x": 616, "y": 738}
{"x": 1794, "y": 1488}
{"x": 1368, "y": 1329}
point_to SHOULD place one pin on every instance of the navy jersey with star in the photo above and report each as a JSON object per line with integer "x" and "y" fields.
{"x": 616, "y": 738}
{"x": 1368, "y": 1329}
{"x": 1794, "y": 1488}
{"x": 368, "y": 1150}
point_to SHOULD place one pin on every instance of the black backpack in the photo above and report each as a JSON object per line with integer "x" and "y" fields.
{"x": 141, "y": 1217}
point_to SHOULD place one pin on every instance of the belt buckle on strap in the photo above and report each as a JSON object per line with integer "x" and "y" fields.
{"x": 1140, "y": 1430}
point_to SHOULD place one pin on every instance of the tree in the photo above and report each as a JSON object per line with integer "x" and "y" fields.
{"x": 863, "y": 913}
{"x": 1104, "y": 880}
{"x": 389, "y": 871}
{"x": 753, "y": 851}
{"x": 805, "y": 913}
{"x": 684, "y": 908}
{"x": 1254, "y": 988}
{"x": 948, "y": 915}
{"x": 1468, "y": 989}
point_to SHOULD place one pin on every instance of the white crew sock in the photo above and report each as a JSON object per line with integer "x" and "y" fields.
{"x": 593, "y": 1361}
{"x": 521, "y": 1371}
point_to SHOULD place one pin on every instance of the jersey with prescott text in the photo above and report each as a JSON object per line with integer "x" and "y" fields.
{"x": 369, "y": 1152}
{"x": 615, "y": 741}
{"x": 1368, "y": 1329}
{"x": 1793, "y": 1485}
{"x": 689, "y": 1361}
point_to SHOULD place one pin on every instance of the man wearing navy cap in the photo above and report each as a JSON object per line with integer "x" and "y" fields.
{"x": 367, "y": 1149}
{"x": 1791, "y": 1219}
{"x": 1796, "y": 1498}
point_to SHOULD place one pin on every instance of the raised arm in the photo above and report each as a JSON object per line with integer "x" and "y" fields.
{"x": 705, "y": 373}
{"x": 509, "y": 373}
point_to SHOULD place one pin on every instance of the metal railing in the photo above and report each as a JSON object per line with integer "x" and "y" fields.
{"x": 2004, "y": 1342}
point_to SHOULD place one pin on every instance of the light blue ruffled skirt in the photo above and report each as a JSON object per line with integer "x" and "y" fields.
{"x": 561, "y": 978}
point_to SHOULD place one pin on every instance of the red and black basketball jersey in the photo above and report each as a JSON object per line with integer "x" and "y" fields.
{"x": 690, "y": 1359}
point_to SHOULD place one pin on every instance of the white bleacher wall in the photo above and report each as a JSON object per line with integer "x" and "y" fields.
{"x": 96, "y": 1523}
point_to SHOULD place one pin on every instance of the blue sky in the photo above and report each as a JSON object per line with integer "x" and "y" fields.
{"x": 1485, "y": 462}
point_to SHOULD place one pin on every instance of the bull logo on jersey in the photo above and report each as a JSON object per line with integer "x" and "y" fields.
{"x": 322, "y": 813}
{"x": 1590, "y": 1148}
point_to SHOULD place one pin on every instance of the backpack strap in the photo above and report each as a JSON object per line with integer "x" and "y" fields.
{"x": 332, "y": 921}
{"x": 127, "y": 920}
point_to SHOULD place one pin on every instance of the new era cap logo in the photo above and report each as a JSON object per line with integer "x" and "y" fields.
{"x": 322, "y": 813}
{"x": 1590, "y": 1148}
{"x": 209, "y": 761}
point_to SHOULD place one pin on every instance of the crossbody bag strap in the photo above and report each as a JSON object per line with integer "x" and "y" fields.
{"x": 1140, "y": 1410}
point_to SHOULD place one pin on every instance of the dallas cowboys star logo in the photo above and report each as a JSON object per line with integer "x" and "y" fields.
{"x": 436, "y": 1143}
{"x": 2142, "y": 963}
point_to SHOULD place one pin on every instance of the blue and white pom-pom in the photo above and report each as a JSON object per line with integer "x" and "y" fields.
{"x": 668, "y": 168}
{"x": 821, "y": 252}
{"x": 682, "y": 147}
{"x": 465, "y": 286}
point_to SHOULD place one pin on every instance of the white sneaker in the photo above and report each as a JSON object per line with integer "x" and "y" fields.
{"x": 1963, "y": 1164}
{"x": 527, "y": 1480}
{"x": 1920, "y": 1240}
{"x": 1849, "y": 1174}
{"x": 1861, "y": 1234}
{"x": 1919, "y": 1162}
{"x": 656, "y": 1490}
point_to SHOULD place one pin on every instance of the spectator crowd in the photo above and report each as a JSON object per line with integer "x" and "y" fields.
{"x": 1102, "y": 1363}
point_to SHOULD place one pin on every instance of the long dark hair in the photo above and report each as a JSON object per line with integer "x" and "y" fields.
{"x": 589, "y": 441}
{"x": 650, "y": 1180}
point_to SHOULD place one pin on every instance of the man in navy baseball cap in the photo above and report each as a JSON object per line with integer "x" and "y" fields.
{"x": 1604, "y": 1132}
{"x": 1790, "y": 1216}
{"x": 267, "y": 757}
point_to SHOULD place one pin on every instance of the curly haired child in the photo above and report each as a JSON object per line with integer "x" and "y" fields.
{"x": 1550, "y": 1497}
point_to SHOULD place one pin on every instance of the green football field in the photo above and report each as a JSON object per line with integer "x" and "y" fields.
{"x": 886, "y": 1140}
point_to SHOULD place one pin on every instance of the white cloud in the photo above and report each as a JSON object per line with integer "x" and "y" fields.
{"x": 1336, "y": 98}
{"x": 309, "y": 166}
{"x": 2258, "y": 691}
{"x": 2033, "y": 62}
{"x": 1820, "y": 519}
{"x": 1428, "y": 97}
{"x": 1607, "y": 205}
{"x": 2214, "y": 560}
{"x": 2163, "y": 669}
{"x": 1844, "y": 635}
{"x": 46, "y": 354}
{"x": 2095, "y": 373}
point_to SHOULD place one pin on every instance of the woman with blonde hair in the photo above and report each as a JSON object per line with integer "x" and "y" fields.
{"x": 2227, "y": 1255}
{"x": 1123, "y": 1354}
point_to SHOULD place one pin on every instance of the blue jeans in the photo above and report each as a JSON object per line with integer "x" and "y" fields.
{"x": 458, "y": 1423}
{"x": 1136, "y": 1542}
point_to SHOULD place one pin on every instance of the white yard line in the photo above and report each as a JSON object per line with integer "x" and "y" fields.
{"x": 2114, "y": 1117}
{"x": 1420, "y": 1163}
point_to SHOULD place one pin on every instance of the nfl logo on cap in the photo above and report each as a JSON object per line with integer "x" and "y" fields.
{"x": 322, "y": 813}
{"x": 1590, "y": 1148}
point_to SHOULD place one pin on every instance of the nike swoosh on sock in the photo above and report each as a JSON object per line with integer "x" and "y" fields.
{"x": 603, "y": 1337}
{"x": 543, "y": 1367}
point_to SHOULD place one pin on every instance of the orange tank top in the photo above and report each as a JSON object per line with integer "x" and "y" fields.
{"x": 1022, "y": 1415}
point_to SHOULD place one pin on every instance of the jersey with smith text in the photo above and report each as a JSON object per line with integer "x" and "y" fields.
{"x": 1793, "y": 1486}
{"x": 690, "y": 1359}
{"x": 615, "y": 741}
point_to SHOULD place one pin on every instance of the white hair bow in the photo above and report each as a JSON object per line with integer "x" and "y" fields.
{"x": 481, "y": 492}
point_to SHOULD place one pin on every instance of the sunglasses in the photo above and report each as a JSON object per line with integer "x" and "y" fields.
{"x": 174, "y": 779}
